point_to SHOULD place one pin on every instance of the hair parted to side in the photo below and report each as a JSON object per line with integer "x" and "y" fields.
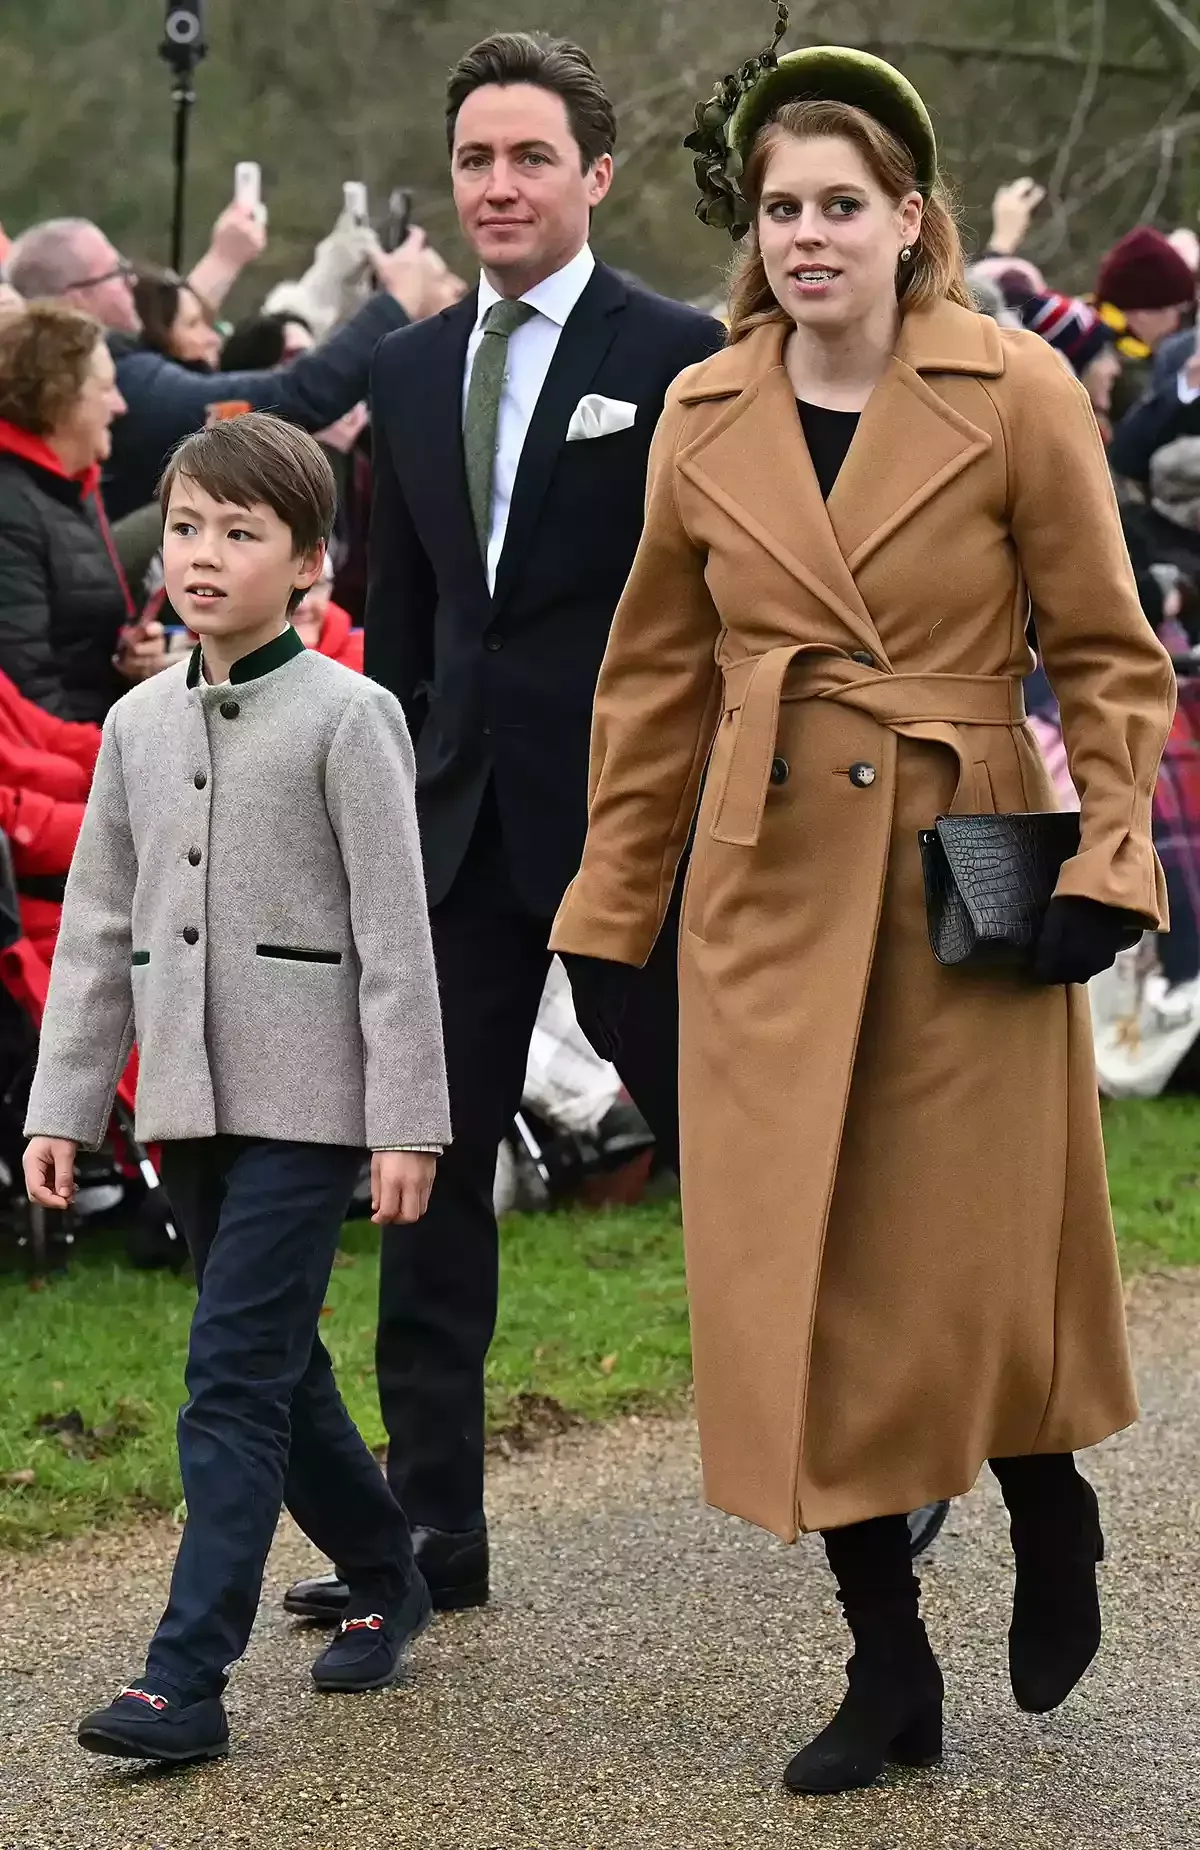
{"x": 46, "y": 353}
{"x": 557, "y": 65}
{"x": 936, "y": 270}
{"x": 258, "y": 459}
{"x": 156, "y": 296}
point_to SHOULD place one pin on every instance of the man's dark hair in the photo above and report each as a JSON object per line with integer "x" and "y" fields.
{"x": 258, "y": 344}
{"x": 258, "y": 458}
{"x": 552, "y": 64}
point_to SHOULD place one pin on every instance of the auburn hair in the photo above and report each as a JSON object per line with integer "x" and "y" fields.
{"x": 936, "y": 269}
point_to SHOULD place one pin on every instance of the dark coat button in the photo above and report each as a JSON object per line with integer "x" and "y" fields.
{"x": 779, "y": 771}
{"x": 863, "y": 658}
{"x": 863, "y": 775}
{"x": 230, "y": 709}
{"x": 194, "y": 856}
{"x": 191, "y": 935}
{"x": 200, "y": 779}
{"x": 493, "y": 643}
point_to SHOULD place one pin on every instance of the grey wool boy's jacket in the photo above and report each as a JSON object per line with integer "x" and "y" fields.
{"x": 247, "y": 897}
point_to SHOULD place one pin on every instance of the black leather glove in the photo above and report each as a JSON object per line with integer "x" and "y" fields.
{"x": 600, "y": 989}
{"x": 1080, "y": 937}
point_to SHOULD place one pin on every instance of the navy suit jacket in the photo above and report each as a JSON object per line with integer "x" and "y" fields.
{"x": 500, "y": 686}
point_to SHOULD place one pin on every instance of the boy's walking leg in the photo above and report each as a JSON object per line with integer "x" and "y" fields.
{"x": 262, "y": 1221}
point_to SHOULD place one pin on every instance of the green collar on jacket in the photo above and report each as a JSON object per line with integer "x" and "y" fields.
{"x": 259, "y": 662}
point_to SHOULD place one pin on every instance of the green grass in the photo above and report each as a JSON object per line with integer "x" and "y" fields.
{"x": 593, "y": 1322}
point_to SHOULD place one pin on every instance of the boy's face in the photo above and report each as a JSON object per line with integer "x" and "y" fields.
{"x": 227, "y": 568}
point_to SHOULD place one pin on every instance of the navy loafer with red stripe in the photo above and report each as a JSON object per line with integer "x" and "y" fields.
{"x": 145, "y": 1724}
{"x": 370, "y": 1645}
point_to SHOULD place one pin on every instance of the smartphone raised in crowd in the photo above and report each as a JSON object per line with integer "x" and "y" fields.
{"x": 354, "y": 197}
{"x": 398, "y": 223}
{"x": 247, "y": 189}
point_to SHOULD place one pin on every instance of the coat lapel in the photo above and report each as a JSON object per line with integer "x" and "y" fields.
{"x": 440, "y": 469}
{"x": 754, "y": 463}
{"x": 583, "y": 344}
{"x": 910, "y": 444}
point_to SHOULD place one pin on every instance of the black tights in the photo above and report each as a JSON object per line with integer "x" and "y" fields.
{"x": 872, "y": 1560}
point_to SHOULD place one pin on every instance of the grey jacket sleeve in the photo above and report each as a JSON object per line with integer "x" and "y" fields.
{"x": 87, "y": 1029}
{"x": 370, "y": 794}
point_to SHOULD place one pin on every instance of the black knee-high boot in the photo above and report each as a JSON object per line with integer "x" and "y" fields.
{"x": 1057, "y": 1541}
{"x": 892, "y": 1709}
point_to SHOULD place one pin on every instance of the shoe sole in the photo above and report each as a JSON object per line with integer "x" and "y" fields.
{"x": 120, "y": 1747}
{"x": 447, "y": 1599}
{"x": 347, "y": 1687}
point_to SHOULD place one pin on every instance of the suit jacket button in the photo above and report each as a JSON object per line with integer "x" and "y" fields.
{"x": 194, "y": 856}
{"x": 863, "y": 658}
{"x": 191, "y": 935}
{"x": 863, "y": 775}
{"x": 200, "y": 779}
{"x": 779, "y": 771}
{"x": 230, "y": 709}
{"x": 493, "y": 643}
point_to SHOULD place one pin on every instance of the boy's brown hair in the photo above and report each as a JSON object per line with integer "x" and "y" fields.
{"x": 259, "y": 458}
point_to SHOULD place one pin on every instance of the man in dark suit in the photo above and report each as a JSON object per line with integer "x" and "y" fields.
{"x": 511, "y": 437}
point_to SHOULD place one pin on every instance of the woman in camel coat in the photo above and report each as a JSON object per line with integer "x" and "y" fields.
{"x": 900, "y": 1252}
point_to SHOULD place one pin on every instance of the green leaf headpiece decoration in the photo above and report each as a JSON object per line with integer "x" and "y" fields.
{"x": 727, "y": 124}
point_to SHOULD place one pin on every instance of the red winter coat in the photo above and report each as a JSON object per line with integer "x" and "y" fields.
{"x": 339, "y": 639}
{"x": 45, "y": 773}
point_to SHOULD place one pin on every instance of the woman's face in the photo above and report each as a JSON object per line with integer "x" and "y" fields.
{"x": 85, "y": 433}
{"x": 193, "y": 338}
{"x": 830, "y": 237}
{"x": 1099, "y": 377}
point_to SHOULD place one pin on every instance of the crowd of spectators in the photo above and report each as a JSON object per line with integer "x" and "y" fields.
{"x": 105, "y": 365}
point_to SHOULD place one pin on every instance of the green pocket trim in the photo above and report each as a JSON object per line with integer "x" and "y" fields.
{"x": 287, "y": 953}
{"x": 140, "y": 957}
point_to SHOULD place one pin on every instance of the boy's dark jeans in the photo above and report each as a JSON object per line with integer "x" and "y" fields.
{"x": 264, "y": 1424}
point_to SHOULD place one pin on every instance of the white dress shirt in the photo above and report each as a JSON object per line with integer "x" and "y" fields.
{"x": 530, "y": 351}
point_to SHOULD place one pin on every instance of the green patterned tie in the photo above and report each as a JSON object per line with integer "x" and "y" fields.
{"x": 483, "y": 409}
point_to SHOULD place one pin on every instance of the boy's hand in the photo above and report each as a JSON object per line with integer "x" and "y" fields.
{"x": 50, "y": 1171}
{"x": 400, "y": 1184}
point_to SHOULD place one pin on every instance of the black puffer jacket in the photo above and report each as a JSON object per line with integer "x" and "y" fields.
{"x": 62, "y": 599}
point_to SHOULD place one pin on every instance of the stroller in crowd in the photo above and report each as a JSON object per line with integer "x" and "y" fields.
{"x": 121, "y": 1182}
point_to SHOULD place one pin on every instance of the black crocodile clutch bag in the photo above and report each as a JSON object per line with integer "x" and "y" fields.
{"x": 989, "y": 880}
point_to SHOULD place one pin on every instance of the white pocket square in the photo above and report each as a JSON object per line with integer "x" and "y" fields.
{"x": 597, "y": 416}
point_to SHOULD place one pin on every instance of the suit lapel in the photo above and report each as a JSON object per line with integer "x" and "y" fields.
{"x": 583, "y": 344}
{"x": 438, "y": 462}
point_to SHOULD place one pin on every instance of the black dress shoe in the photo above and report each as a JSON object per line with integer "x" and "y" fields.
{"x": 454, "y": 1564}
{"x": 142, "y": 1724}
{"x": 373, "y": 1639}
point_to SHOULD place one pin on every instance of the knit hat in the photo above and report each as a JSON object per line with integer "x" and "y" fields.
{"x": 1145, "y": 271}
{"x": 1069, "y": 325}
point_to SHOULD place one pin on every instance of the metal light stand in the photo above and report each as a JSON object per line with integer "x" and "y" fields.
{"x": 182, "y": 47}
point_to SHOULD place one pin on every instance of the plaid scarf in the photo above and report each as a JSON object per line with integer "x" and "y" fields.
{"x": 1177, "y": 796}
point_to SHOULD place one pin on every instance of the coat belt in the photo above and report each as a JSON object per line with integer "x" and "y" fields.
{"x": 919, "y": 706}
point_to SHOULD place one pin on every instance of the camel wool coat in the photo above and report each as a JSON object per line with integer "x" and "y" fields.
{"x": 899, "y": 1246}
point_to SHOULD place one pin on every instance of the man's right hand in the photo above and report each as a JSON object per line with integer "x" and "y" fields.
{"x": 50, "y": 1171}
{"x": 415, "y": 276}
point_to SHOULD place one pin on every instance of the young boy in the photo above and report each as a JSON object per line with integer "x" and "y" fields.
{"x": 247, "y": 900}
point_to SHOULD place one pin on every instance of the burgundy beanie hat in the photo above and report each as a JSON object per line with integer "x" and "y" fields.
{"x": 1145, "y": 271}
{"x": 1070, "y": 326}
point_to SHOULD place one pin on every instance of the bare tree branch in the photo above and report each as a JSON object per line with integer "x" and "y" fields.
{"x": 1179, "y": 19}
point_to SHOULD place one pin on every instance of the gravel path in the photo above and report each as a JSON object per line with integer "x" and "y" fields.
{"x": 644, "y": 1672}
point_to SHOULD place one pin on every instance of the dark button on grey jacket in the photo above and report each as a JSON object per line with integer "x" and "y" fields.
{"x": 281, "y": 981}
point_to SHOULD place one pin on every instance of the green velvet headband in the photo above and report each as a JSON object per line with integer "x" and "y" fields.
{"x": 726, "y": 125}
